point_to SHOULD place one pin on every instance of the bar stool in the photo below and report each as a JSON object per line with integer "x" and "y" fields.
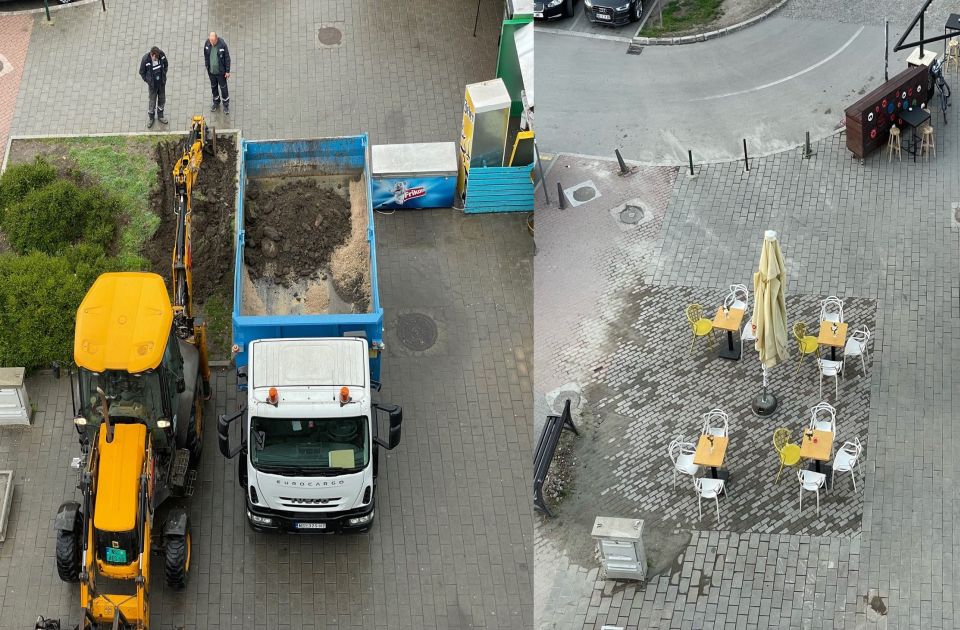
{"x": 927, "y": 143}
{"x": 953, "y": 55}
{"x": 893, "y": 144}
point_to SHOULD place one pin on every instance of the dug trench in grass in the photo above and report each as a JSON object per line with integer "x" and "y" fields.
{"x": 212, "y": 235}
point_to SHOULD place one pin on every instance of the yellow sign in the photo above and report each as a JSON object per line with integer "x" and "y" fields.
{"x": 466, "y": 143}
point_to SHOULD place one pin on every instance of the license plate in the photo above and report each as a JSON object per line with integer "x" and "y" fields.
{"x": 119, "y": 556}
{"x": 538, "y": 14}
{"x": 311, "y": 525}
{"x": 603, "y": 16}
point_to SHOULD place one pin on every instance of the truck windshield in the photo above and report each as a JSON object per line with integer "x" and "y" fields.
{"x": 310, "y": 445}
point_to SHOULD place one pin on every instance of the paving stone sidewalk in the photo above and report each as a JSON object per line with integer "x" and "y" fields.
{"x": 398, "y": 71}
{"x": 882, "y": 233}
{"x": 452, "y": 542}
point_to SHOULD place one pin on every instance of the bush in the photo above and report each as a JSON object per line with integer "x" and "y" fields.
{"x": 60, "y": 214}
{"x": 20, "y": 179}
{"x": 39, "y": 297}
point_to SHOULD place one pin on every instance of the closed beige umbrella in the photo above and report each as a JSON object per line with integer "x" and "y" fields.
{"x": 770, "y": 316}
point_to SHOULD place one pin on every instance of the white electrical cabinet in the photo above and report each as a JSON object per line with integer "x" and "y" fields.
{"x": 14, "y": 403}
{"x": 620, "y": 544}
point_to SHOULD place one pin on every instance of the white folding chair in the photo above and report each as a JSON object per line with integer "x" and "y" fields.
{"x": 846, "y": 461}
{"x": 681, "y": 453}
{"x": 857, "y": 345}
{"x": 716, "y": 423}
{"x": 708, "y": 488}
{"x": 811, "y": 481}
{"x": 823, "y": 417}
{"x": 738, "y": 297}
{"x": 831, "y": 368}
{"x": 747, "y": 334}
{"x": 831, "y": 310}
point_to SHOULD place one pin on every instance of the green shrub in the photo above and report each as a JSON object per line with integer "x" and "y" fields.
{"x": 39, "y": 297}
{"x": 61, "y": 214}
{"x": 20, "y": 179}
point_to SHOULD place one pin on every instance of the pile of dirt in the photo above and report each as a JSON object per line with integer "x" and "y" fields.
{"x": 213, "y": 199}
{"x": 350, "y": 263}
{"x": 292, "y": 228}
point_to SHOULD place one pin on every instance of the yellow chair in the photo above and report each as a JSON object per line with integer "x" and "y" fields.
{"x": 787, "y": 451}
{"x": 806, "y": 344}
{"x": 700, "y": 325}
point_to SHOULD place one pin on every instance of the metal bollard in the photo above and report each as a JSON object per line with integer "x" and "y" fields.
{"x": 807, "y": 152}
{"x": 690, "y": 158}
{"x": 563, "y": 203}
{"x": 746, "y": 160}
{"x": 46, "y": 7}
{"x": 623, "y": 165}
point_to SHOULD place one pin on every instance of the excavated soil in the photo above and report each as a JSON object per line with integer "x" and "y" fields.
{"x": 213, "y": 199}
{"x": 305, "y": 247}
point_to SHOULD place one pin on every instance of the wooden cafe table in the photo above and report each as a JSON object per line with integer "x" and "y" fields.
{"x": 729, "y": 321}
{"x": 826, "y": 337}
{"x": 714, "y": 459}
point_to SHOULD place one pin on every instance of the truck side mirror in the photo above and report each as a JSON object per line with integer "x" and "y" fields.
{"x": 224, "y": 424}
{"x": 396, "y": 420}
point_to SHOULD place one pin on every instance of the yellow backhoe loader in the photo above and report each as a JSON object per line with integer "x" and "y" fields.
{"x": 143, "y": 377}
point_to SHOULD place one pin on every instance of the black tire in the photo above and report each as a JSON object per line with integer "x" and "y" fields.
{"x": 568, "y": 9}
{"x": 242, "y": 474}
{"x": 636, "y": 12}
{"x": 69, "y": 549}
{"x": 176, "y": 559}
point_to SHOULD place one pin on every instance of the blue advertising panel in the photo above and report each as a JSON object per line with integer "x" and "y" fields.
{"x": 414, "y": 192}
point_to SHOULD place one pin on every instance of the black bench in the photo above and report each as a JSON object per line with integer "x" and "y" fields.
{"x": 546, "y": 448}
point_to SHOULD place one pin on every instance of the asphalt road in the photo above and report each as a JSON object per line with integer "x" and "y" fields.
{"x": 769, "y": 83}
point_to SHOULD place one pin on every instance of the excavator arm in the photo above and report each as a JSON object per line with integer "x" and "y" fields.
{"x": 185, "y": 174}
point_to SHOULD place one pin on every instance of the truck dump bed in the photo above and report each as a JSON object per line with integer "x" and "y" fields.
{"x": 305, "y": 261}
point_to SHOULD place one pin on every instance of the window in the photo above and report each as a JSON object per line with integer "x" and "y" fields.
{"x": 310, "y": 445}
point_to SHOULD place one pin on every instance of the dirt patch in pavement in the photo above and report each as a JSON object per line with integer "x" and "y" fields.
{"x": 213, "y": 199}
{"x": 305, "y": 249}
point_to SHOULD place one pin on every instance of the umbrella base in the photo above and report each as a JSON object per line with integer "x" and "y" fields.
{"x": 764, "y": 404}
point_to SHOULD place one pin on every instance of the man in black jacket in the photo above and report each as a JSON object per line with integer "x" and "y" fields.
{"x": 153, "y": 70}
{"x": 216, "y": 56}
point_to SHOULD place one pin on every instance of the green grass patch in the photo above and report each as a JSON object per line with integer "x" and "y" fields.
{"x": 682, "y": 15}
{"x": 216, "y": 314}
{"x": 125, "y": 167}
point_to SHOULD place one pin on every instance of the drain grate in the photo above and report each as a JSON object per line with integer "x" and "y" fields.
{"x": 631, "y": 215}
{"x": 417, "y": 332}
{"x": 633, "y": 49}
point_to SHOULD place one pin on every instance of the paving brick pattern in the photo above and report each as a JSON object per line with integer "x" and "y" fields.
{"x": 14, "y": 40}
{"x": 398, "y": 73}
{"x": 451, "y": 546}
{"x": 875, "y": 233}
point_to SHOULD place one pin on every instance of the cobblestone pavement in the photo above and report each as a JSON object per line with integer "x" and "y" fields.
{"x": 883, "y": 236}
{"x": 451, "y": 546}
{"x": 14, "y": 39}
{"x": 398, "y": 71}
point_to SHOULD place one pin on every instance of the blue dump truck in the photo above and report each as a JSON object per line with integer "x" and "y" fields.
{"x": 308, "y": 338}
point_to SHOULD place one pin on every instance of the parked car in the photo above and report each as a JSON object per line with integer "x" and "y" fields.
{"x": 613, "y": 12}
{"x": 549, "y": 9}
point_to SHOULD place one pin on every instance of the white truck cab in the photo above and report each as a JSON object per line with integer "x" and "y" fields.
{"x": 308, "y": 435}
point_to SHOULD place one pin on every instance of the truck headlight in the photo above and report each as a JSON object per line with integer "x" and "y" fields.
{"x": 360, "y": 520}
{"x": 259, "y": 520}
{"x": 554, "y": 3}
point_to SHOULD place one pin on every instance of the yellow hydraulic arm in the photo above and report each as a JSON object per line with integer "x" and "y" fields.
{"x": 185, "y": 174}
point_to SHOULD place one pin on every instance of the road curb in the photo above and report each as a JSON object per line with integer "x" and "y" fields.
{"x": 702, "y": 37}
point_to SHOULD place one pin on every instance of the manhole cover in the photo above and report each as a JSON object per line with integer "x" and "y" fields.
{"x": 584, "y": 193}
{"x": 631, "y": 215}
{"x": 329, "y": 36}
{"x": 418, "y": 332}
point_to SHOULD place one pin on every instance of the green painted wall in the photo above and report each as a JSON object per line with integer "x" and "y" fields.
{"x": 508, "y": 66}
